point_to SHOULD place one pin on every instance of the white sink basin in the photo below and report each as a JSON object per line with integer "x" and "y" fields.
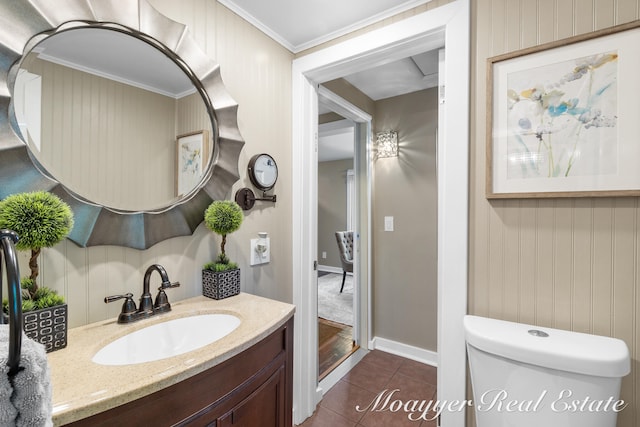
{"x": 167, "y": 339}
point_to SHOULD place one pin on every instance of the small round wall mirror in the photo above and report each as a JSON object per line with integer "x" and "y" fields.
{"x": 263, "y": 171}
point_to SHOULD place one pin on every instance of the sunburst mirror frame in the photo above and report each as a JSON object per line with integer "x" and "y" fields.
{"x": 25, "y": 23}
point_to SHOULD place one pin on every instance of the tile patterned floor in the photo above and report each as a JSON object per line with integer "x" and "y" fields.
{"x": 377, "y": 372}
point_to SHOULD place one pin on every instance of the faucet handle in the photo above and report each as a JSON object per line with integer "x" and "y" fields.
{"x": 166, "y": 285}
{"x": 113, "y": 298}
{"x": 128, "y": 307}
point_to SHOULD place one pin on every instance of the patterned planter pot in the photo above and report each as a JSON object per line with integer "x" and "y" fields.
{"x": 220, "y": 284}
{"x": 47, "y": 326}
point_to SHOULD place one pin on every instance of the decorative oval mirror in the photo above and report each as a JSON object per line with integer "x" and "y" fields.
{"x": 177, "y": 144}
{"x": 100, "y": 111}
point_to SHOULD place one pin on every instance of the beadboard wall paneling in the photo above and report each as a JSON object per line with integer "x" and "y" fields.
{"x": 569, "y": 264}
{"x": 191, "y": 115}
{"x": 257, "y": 73}
{"x": 93, "y": 127}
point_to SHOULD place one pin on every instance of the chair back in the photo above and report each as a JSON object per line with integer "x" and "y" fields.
{"x": 345, "y": 245}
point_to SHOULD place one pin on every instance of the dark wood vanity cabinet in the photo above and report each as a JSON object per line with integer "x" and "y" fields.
{"x": 252, "y": 389}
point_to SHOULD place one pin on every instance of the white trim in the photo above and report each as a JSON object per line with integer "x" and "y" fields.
{"x": 231, "y": 5}
{"x": 319, "y": 40}
{"x": 446, "y": 25}
{"x": 341, "y": 370}
{"x": 304, "y": 166}
{"x": 351, "y": 198}
{"x": 331, "y": 269}
{"x": 405, "y": 350}
{"x": 362, "y": 162}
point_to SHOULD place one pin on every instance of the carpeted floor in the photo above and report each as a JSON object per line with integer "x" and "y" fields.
{"x": 333, "y": 305}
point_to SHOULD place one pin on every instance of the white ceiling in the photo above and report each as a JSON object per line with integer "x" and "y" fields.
{"x": 296, "y": 25}
{"x": 116, "y": 56}
{"x": 299, "y": 25}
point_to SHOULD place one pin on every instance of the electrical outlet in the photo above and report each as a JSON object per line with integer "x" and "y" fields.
{"x": 260, "y": 253}
{"x": 324, "y": 254}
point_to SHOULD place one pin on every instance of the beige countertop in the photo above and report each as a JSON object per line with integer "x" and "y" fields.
{"x": 82, "y": 388}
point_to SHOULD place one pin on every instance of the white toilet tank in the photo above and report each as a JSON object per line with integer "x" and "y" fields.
{"x": 529, "y": 376}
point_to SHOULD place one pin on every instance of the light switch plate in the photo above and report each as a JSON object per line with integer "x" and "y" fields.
{"x": 388, "y": 223}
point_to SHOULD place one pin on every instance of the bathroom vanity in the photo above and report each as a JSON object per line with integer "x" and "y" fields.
{"x": 243, "y": 379}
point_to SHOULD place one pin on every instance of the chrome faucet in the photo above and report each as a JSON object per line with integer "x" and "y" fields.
{"x": 147, "y": 306}
{"x": 7, "y": 239}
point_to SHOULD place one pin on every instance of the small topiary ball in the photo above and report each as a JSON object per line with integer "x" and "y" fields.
{"x": 41, "y": 219}
{"x": 223, "y": 217}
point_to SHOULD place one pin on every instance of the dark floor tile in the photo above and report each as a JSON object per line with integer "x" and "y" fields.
{"x": 382, "y": 360}
{"x": 388, "y": 419}
{"x": 408, "y": 400}
{"x": 430, "y": 423}
{"x": 419, "y": 371}
{"x": 411, "y": 388}
{"x": 412, "y": 384}
{"x": 369, "y": 376}
{"x": 324, "y": 417}
{"x": 344, "y": 399}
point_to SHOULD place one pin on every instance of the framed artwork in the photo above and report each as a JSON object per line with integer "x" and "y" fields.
{"x": 192, "y": 153}
{"x": 563, "y": 119}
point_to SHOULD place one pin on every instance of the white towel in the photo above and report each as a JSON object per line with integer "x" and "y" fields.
{"x": 28, "y": 401}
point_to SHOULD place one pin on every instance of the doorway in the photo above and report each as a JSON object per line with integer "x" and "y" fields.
{"x": 336, "y": 224}
{"x": 343, "y": 205}
{"x": 446, "y": 25}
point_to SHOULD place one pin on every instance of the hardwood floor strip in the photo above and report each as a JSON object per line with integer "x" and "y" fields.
{"x": 335, "y": 344}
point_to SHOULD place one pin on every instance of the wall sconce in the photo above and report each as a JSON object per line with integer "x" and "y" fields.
{"x": 387, "y": 144}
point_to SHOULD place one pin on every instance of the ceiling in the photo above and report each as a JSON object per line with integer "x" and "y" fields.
{"x": 296, "y": 25}
{"x": 116, "y": 56}
{"x": 299, "y": 25}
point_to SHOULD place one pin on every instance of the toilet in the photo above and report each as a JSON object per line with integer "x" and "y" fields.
{"x": 530, "y": 376}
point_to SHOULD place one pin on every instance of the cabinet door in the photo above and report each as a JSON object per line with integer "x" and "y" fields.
{"x": 262, "y": 408}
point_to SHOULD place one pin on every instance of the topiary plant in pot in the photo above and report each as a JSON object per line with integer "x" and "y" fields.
{"x": 41, "y": 220}
{"x": 221, "y": 278}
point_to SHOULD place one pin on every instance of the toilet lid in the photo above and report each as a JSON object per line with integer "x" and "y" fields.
{"x": 550, "y": 348}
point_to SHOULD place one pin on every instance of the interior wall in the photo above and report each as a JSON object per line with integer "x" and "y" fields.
{"x": 332, "y": 209}
{"x": 405, "y": 259}
{"x": 257, "y": 73}
{"x": 563, "y": 263}
{"x": 106, "y": 126}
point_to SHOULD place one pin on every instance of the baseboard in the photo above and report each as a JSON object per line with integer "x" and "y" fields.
{"x": 330, "y": 269}
{"x": 404, "y": 350}
{"x": 341, "y": 370}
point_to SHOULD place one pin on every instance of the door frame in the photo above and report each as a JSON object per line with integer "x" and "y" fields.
{"x": 448, "y": 26}
{"x": 362, "y": 164}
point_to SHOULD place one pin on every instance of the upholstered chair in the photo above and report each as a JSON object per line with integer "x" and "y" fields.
{"x": 345, "y": 245}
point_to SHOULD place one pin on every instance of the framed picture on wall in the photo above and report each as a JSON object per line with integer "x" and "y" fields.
{"x": 563, "y": 118}
{"x": 192, "y": 153}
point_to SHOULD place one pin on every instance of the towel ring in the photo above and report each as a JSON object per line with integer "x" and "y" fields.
{"x": 7, "y": 239}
